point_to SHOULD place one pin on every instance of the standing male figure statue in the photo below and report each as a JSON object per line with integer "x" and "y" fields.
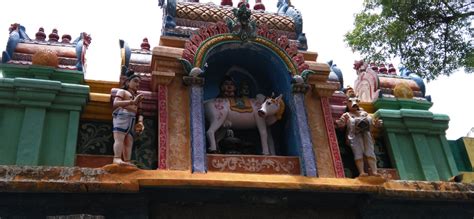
{"x": 358, "y": 137}
{"x": 126, "y": 106}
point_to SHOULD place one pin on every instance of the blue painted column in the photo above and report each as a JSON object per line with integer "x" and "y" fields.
{"x": 198, "y": 143}
{"x": 307, "y": 154}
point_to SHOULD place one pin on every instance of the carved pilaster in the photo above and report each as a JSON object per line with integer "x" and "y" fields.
{"x": 160, "y": 82}
{"x": 198, "y": 143}
{"x": 300, "y": 87}
{"x": 325, "y": 89}
{"x": 193, "y": 81}
{"x": 307, "y": 154}
{"x": 333, "y": 145}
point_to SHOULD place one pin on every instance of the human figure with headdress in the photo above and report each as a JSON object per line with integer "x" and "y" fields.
{"x": 227, "y": 87}
{"x": 358, "y": 137}
{"x": 126, "y": 105}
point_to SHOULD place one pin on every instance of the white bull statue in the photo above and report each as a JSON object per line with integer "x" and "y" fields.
{"x": 263, "y": 113}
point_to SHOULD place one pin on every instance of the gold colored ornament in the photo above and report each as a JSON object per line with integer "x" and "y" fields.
{"x": 45, "y": 58}
{"x": 402, "y": 90}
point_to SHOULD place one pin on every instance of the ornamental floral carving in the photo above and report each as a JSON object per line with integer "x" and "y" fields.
{"x": 205, "y": 33}
{"x": 253, "y": 164}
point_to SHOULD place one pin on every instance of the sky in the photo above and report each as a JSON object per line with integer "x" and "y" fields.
{"x": 324, "y": 22}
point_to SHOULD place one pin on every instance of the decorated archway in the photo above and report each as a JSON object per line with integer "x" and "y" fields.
{"x": 265, "y": 62}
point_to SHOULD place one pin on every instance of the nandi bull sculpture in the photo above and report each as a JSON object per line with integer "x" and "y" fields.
{"x": 261, "y": 113}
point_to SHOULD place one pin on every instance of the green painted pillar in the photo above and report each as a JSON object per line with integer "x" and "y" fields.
{"x": 460, "y": 154}
{"x": 416, "y": 141}
{"x": 29, "y": 145}
{"x": 425, "y": 157}
{"x": 451, "y": 163}
{"x": 42, "y": 117}
{"x": 71, "y": 139}
{"x": 396, "y": 154}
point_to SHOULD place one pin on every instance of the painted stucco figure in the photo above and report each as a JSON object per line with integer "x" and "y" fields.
{"x": 358, "y": 123}
{"x": 126, "y": 106}
{"x": 226, "y": 112}
{"x": 227, "y": 88}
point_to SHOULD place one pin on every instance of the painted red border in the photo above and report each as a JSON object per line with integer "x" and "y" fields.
{"x": 162, "y": 125}
{"x": 334, "y": 147}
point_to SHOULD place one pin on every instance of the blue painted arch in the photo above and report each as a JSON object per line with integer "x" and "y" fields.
{"x": 265, "y": 72}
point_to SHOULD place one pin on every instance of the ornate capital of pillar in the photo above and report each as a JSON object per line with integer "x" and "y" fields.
{"x": 324, "y": 89}
{"x": 300, "y": 88}
{"x": 193, "y": 81}
{"x": 161, "y": 78}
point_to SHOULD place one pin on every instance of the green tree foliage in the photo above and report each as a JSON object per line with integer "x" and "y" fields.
{"x": 431, "y": 37}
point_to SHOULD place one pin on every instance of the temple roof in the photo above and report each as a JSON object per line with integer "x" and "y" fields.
{"x": 21, "y": 49}
{"x": 214, "y": 13}
{"x": 182, "y": 19}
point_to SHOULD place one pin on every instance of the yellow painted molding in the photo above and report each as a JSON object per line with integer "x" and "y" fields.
{"x": 97, "y": 110}
{"x": 469, "y": 144}
{"x": 166, "y": 51}
{"x": 98, "y": 97}
{"x": 309, "y": 56}
{"x": 368, "y": 107}
{"x": 98, "y": 107}
{"x": 467, "y": 177}
{"x": 171, "y": 41}
{"x": 97, "y": 86}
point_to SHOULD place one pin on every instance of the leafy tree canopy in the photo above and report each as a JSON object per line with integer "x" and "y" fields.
{"x": 431, "y": 37}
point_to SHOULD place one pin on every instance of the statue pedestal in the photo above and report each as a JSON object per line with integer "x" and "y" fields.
{"x": 253, "y": 164}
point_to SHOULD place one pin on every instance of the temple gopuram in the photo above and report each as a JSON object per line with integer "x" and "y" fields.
{"x": 229, "y": 116}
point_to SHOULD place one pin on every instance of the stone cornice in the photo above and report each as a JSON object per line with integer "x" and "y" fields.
{"x": 413, "y": 121}
{"x": 321, "y": 71}
{"x": 170, "y": 41}
{"x": 189, "y": 81}
{"x": 165, "y": 51}
{"x": 43, "y": 93}
{"x": 324, "y": 89}
{"x": 42, "y": 72}
{"x": 400, "y": 103}
{"x": 113, "y": 178}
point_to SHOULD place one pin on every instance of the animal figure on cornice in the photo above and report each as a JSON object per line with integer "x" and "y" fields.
{"x": 263, "y": 113}
{"x": 17, "y": 34}
{"x": 285, "y": 8}
{"x": 126, "y": 53}
{"x": 336, "y": 73}
{"x": 82, "y": 43}
{"x": 405, "y": 72}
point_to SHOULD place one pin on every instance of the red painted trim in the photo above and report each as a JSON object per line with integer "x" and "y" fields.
{"x": 162, "y": 125}
{"x": 336, "y": 155}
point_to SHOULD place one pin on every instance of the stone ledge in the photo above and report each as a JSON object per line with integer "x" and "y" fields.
{"x": 115, "y": 178}
{"x": 42, "y": 72}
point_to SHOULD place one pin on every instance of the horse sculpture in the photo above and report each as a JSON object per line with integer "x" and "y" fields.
{"x": 263, "y": 113}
